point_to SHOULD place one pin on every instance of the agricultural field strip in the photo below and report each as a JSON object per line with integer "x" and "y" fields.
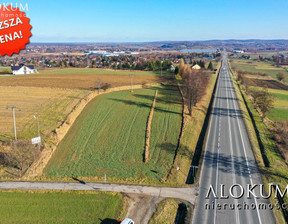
{"x": 261, "y": 67}
{"x": 79, "y": 81}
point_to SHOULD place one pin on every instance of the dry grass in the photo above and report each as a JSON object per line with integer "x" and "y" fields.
{"x": 50, "y": 105}
{"x": 81, "y": 78}
{"x": 166, "y": 212}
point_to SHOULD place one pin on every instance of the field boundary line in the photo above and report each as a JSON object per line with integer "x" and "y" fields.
{"x": 148, "y": 129}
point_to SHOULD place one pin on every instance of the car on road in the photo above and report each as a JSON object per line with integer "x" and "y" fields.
{"x": 127, "y": 221}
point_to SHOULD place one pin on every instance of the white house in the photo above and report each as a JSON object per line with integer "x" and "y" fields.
{"x": 23, "y": 69}
{"x": 238, "y": 51}
{"x": 197, "y": 67}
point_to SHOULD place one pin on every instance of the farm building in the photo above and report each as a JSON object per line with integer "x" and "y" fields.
{"x": 23, "y": 69}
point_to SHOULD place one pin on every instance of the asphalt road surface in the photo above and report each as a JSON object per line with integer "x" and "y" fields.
{"x": 229, "y": 160}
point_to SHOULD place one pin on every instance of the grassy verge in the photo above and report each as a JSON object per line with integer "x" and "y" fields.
{"x": 277, "y": 171}
{"x": 168, "y": 212}
{"x": 60, "y": 207}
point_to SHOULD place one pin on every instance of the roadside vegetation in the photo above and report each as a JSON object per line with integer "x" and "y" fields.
{"x": 166, "y": 212}
{"x": 195, "y": 110}
{"x": 61, "y": 207}
{"x": 170, "y": 211}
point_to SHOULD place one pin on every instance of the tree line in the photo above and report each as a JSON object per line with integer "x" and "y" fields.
{"x": 195, "y": 83}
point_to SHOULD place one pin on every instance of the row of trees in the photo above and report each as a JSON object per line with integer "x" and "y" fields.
{"x": 201, "y": 63}
{"x": 195, "y": 84}
{"x": 152, "y": 65}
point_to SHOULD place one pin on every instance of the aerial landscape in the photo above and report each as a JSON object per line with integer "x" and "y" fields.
{"x": 145, "y": 113}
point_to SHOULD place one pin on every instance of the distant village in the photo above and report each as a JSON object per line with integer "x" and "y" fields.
{"x": 148, "y": 57}
{"x": 126, "y": 58}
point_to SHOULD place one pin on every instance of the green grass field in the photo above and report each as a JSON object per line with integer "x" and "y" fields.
{"x": 96, "y": 71}
{"x": 109, "y": 136}
{"x": 280, "y": 110}
{"x": 60, "y": 207}
{"x": 254, "y": 66}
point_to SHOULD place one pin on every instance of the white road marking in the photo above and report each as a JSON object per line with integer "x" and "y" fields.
{"x": 231, "y": 151}
{"x": 247, "y": 163}
{"x": 217, "y": 168}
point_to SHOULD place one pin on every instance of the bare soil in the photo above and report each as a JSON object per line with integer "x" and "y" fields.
{"x": 141, "y": 207}
{"x": 272, "y": 84}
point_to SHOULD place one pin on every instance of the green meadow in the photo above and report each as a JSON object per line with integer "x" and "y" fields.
{"x": 109, "y": 136}
{"x": 27, "y": 207}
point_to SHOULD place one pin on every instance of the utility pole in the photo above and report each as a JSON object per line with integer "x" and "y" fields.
{"x": 14, "y": 119}
{"x": 36, "y": 118}
{"x": 131, "y": 83}
{"x": 161, "y": 67}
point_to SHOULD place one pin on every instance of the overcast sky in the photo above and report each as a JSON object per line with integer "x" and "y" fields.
{"x": 156, "y": 20}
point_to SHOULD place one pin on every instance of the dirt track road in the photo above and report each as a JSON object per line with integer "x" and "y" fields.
{"x": 187, "y": 194}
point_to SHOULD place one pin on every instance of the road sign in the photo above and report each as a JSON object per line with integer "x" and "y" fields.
{"x": 36, "y": 140}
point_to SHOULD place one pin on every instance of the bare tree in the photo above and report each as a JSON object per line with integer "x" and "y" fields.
{"x": 262, "y": 100}
{"x": 98, "y": 84}
{"x": 21, "y": 155}
{"x": 195, "y": 83}
{"x": 181, "y": 67}
{"x": 281, "y": 76}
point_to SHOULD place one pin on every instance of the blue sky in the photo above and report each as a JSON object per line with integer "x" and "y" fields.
{"x": 156, "y": 20}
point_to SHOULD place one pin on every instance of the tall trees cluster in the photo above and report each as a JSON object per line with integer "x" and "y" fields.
{"x": 195, "y": 84}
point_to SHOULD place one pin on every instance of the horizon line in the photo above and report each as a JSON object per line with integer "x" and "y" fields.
{"x": 160, "y": 41}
